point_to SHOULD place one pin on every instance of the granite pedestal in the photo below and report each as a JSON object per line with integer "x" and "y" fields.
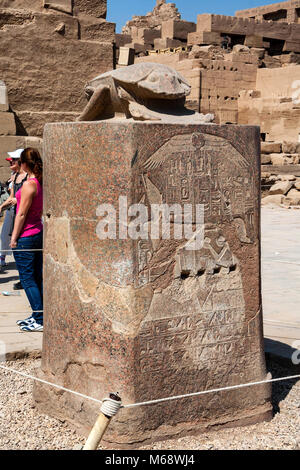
{"x": 150, "y": 318}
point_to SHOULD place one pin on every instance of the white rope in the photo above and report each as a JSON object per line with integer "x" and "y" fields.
{"x": 21, "y": 313}
{"x": 110, "y": 407}
{"x": 12, "y": 250}
{"x": 160, "y": 400}
{"x": 232, "y": 387}
{"x": 8, "y": 369}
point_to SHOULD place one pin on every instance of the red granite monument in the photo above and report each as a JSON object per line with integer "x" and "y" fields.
{"x": 152, "y": 316}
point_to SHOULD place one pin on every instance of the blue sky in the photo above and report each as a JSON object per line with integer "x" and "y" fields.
{"x": 120, "y": 11}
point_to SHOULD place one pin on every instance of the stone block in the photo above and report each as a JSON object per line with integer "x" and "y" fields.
{"x": 122, "y": 39}
{"x": 291, "y": 147}
{"x": 258, "y": 51}
{"x": 96, "y": 29}
{"x": 148, "y": 317}
{"x": 265, "y": 159}
{"x": 177, "y": 29}
{"x": 253, "y": 41}
{"x": 203, "y": 37}
{"x": 286, "y": 178}
{"x": 276, "y": 200}
{"x": 297, "y": 184}
{"x": 34, "y": 5}
{"x": 204, "y": 22}
{"x": 284, "y": 159}
{"x": 281, "y": 187}
{"x": 56, "y": 26}
{"x": 138, "y": 47}
{"x": 7, "y": 124}
{"x": 271, "y": 147}
{"x": 148, "y": 35}
{"x": 4, "y": 106}
{"x": 291, "y": 46}
{"x": 167, "y": 43}
{"x": 34, "y": 122}
{"x": 95, "y": 8}
{"x": 293, "y": 197}
{"x": 126, "y": 56}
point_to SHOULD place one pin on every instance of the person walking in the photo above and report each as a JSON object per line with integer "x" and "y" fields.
{"x": 28, "y": 236}
{"x": 15, "y": 182}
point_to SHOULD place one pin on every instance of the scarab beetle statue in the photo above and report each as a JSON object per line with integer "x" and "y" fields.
{"x": 144, "y": 91}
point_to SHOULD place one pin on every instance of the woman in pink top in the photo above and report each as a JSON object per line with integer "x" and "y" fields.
{"x": 28, "y": 236}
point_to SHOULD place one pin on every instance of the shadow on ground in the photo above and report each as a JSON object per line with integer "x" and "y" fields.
{"x": 279, "y": 363}
{"x": 5, "y": 280}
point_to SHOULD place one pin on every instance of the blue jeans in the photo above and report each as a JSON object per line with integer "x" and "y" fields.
{"x": 30, "y": 267}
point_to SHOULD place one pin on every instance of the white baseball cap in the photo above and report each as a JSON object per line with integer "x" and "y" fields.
{"x": 14, "y": 155}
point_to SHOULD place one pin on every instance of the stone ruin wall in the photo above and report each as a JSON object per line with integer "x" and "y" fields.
{"x": 226, "y": 83}
{"x": 48, "y": 51}
{"x": 284, "y": 12}
{"x": 253, "y": 83}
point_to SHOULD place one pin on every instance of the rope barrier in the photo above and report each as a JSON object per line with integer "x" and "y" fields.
{"x": 160, "y": 400}
{"x": 22, "y": 313}
{"x": 13, "y": 250}
{"x": 8, "y": 369}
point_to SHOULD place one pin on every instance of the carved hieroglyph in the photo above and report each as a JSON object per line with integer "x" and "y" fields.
{"x": 201, "y": 312}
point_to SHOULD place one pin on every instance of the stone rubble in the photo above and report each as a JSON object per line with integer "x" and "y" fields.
{"x": 279, "y": 160}
{"x": 22, "y": 427}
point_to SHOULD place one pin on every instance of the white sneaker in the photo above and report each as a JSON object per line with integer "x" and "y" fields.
{"x": 33, "y": 326}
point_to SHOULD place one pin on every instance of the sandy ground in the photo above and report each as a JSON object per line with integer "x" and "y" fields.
{"x": 22, "y": 427}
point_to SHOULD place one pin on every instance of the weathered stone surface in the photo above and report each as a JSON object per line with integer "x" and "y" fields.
{"x": 284, "y": 159}
{"x": 240, "y": 48}
{"x": 166, "y": 43}
{"x": 96, "y": 29}
{"x": 122, "y": 39}
{"x": 286, "y": 177}
{"x": 147, "y": 317}
{"x": 271, "y": 147}
{"x": 265, "y": 159}
{"x": 162, "y": 12}
{"x": 35, "y": 121}
{"x": 60, "y": 63}
{"x": 297, "y": 184}
{"x": 35, "y": 5}
{"x": 203, "y": 37}
{"x": 293, "y": 197}
{"x": 291, "y": 147}
{"x": 281, "y": 187}
{"x": 96, "y": 8}
{"x": 177, "y": 29}
{"x": 277, "y": 200}
{"x": 7, "y": 124}
{"x": 253, "y": 41}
